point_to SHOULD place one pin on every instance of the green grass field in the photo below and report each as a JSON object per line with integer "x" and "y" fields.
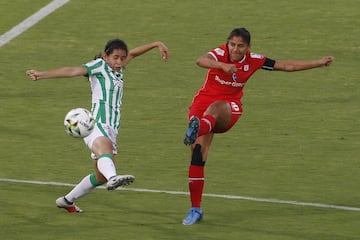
{"x": 298, "y": 139}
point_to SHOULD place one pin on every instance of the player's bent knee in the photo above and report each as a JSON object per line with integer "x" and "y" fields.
{"x": 197, "y": 158}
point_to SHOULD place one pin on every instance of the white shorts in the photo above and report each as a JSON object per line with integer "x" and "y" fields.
{"x": 102, "y": 130}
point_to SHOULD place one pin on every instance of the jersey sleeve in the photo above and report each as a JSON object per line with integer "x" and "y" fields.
{"x": 219, "y": 53}
{"x": 94, "y": 66}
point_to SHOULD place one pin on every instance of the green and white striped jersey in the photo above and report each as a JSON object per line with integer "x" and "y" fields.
{"x": 107, "y": 92}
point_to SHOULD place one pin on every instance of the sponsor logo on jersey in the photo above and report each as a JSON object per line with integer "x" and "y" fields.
{"x": 255, "y": 55}
{"x": 219, "y": 51}
{"x": 233, "y": 84}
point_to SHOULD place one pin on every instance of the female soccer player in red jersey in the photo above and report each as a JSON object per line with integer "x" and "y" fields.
{"x": 217, "y": 105}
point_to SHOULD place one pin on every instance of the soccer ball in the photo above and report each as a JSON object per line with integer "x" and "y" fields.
{"x": 79, "y": 122}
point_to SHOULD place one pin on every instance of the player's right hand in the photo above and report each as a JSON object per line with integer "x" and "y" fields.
{"x": 229, "y": 68}
{"x": 33, "y": 74}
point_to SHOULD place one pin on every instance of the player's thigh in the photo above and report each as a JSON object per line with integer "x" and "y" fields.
{"x": 231, "y": 118}
{"x": 102, "y": 140}
{"x": 221, "y": 111}
{"x": 102, "y": 145}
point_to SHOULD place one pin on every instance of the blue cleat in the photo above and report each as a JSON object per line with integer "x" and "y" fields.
{"x": 192, "y": 131}
{"x": 194, "y": 215}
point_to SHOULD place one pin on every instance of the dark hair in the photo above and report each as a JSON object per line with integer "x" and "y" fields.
{"x": 240, "y": 32}
{"x": 115, "y": 44}
{"x": 111, "y": 45}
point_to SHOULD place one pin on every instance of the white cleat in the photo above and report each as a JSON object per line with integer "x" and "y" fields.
{"x": 61, "y": 202}
{"x": 119, "y": 180}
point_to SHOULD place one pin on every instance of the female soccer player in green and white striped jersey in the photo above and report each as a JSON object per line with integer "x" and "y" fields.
{"x": 106, "y": 79}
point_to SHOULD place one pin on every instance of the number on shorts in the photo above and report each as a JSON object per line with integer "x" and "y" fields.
{"x": 234, "y": 106}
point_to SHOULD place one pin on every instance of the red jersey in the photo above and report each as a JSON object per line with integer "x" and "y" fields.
{"x": 221, "y": 85}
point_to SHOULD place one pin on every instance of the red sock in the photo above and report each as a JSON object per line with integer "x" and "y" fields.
{"x": 196, "y": 184}
{"x": 207, "y": 123}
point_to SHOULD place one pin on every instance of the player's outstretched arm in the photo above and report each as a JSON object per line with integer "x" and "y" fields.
{"x": 298, "y": 65}
{"x": 63, "y": 72}
{"x": 164, "y": 51}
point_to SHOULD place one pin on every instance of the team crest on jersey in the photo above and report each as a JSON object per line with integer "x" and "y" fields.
{"x": 246, "y": 68}
{"x": 118, "y": 83}
{"x": 234, "y": 77}
{"x": 118, "y": 80}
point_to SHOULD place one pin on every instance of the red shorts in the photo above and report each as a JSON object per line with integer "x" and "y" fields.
{"x": 198, "y": 108}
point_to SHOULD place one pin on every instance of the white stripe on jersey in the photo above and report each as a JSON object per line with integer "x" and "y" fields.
{"x": 214, "y": 56}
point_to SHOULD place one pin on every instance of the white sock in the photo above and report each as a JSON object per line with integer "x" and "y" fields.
{"x": 106, "y": 166}
{"x": 83, "y": 188}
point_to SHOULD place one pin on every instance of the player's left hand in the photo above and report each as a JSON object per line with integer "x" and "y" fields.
{"x": 164, "y": 51}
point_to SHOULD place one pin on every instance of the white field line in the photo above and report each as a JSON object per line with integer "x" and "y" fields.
{"x": 31, "y": 21}
{"x": 267, "y": 200}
